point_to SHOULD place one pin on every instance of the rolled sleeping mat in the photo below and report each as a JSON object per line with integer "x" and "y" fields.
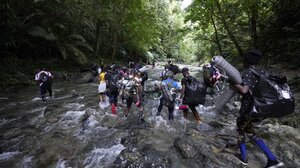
{"x": 224, "y": 98}
{"x": 143, "y": 69}
{"x": 232, "y": 73}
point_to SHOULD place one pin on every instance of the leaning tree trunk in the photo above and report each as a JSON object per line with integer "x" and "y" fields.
{"x": 216, "y": 33}
{"x": 229, "y": 32}
{"x": 252, "y": 24}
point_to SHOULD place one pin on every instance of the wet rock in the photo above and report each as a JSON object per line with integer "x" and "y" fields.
{"x": 293, "y": 121}
{"x": 143, "y": 157}
{"x": 52, "y": 120}
{"x": 11, "y": 133}
{"x": 59, "y": 76}
{"x": 75, "y": 95}
{"x": 295, "y": 83}
{"x": 51, "y": 109}
{"x": 185, "y": 149}
{"x": 216, "y": 124}
{"x": 110, "y": 121}
{"x": 30, "y": 142}
{"x": 87, "y": 77}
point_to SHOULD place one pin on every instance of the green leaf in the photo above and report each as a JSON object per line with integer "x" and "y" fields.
{"x": 76, "y": 37}
{"x": 40, "y": 32}
{"x": 63, "y": 52}
{"x": 83, "y": 45}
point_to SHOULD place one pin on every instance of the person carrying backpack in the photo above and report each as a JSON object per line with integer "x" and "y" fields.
{"x": 112, "y": 78}
{"x": 44, "y": 80}
{"x": 131, "y": 93}
{"x": 169, "y": 88}
{"x": 193, "y": 93}
{"x": 163, "y": 73}
{"x": 211, "y": 76}
{"x": 246, "y": 119}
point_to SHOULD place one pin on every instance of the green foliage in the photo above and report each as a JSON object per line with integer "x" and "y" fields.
{"x": 142, "y": 30}
{"x": 233, "y": 26}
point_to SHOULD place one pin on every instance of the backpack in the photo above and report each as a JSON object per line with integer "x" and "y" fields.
{"x": 272, "y": 96}
{"x": 127, "y": 89}
{"x": 195, "y": 91}
{"x": 113, "y": 83}
{"x": 163, "y": 74}
{"x": 168, "y": 93}
{"x": 174, "y": 69}
{"x": 43, "y": 77}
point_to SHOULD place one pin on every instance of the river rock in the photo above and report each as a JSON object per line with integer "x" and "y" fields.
{"x": 87, "y": 77}
{"x": 52, "y": 120}
{"x": 185, "y": 149}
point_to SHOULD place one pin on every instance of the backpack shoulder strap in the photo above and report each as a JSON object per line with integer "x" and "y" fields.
{"x": 254, "y": 71}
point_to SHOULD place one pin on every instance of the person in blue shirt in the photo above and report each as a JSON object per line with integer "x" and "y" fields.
{"x": 169, "y": 89}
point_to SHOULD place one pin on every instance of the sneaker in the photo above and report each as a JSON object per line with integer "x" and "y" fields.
{"x": 243, "y": 162}
{"x": 274, "y": 164}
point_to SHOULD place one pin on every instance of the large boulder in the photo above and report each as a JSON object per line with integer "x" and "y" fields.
{"x": 87, "y": 77}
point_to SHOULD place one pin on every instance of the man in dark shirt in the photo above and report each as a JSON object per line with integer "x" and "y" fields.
{"x": 245, "y": 120}
{"x": 111, "y": 78}
{"x": 185, "y": 96}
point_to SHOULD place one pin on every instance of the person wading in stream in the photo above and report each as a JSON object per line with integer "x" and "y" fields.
{"x": 193, "y": 93}
{"x": 44, "y": 80}
{"x": 102, "y": 86}
{"x": 245, "y": 120}
{"x": 132, "y": 91}
{"x": 169, "y": 88}
{"x": 112, "y": 77}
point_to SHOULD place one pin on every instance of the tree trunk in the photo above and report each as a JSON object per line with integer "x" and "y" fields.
{"x": 114, "y": 44}
{"x": 229, "y": 32}
{"x": 97, "y": 39}
{"x": 252, "y": 24}
{"x": 216, "y": 33}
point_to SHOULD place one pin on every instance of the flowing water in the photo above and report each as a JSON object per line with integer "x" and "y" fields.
{"x": 71, "y": 130}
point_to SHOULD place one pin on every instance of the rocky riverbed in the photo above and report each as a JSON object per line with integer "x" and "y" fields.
{"x": 71, "y": 130}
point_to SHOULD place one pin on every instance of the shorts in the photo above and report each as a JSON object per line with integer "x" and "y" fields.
{"x": 113, "y": 98}
{"x": 131, "y": 100}
{"x": 102, "y": 88}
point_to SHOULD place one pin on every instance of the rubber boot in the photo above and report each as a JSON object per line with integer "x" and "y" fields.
{"x": 113, "y": 109}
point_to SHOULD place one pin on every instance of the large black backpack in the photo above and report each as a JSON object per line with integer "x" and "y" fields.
{"x": 272, "y": 96}
{"x": 195, "y": 91}
{"x": 113, "y": 83}
{"x": 43, "y": 77}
